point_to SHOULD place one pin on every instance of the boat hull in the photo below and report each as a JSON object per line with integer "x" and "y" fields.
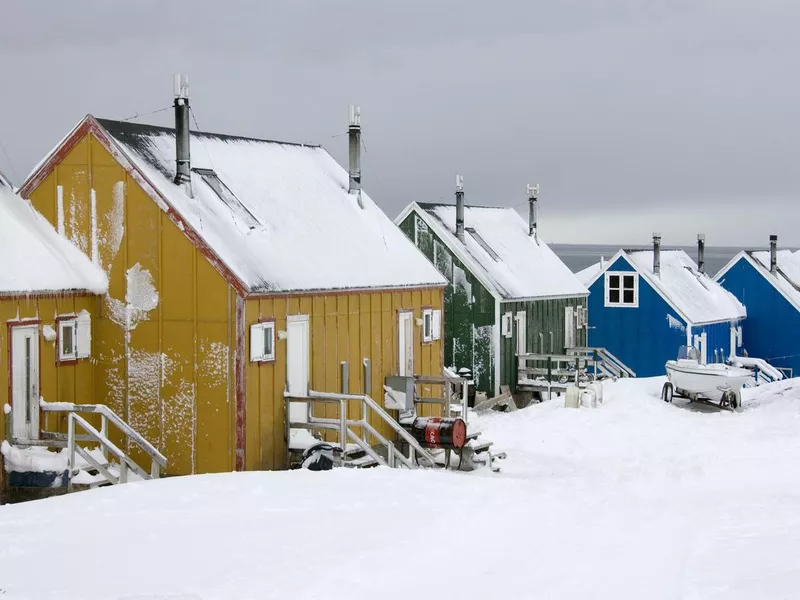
{"x": 706, "y": 381}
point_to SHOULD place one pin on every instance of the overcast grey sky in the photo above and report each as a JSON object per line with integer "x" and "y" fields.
{"x": 633, "y": 115}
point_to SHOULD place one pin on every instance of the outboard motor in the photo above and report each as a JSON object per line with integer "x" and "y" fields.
{"x": 465, "y": 373}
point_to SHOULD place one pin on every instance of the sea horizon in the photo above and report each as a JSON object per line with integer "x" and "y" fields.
{"x": 580, "y": 256}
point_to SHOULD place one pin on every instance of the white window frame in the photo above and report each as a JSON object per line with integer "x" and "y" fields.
{"x": 506, "y": 327}
{"x": 580, "y": 318}
{"x": 521, "y": 327}
{"x": 621, "y": 303}
{"x": 63, "y": 325}
{"x": 259, "y": 334}
{"x": 427, "y": 325}
{"x": 436, "y": 324}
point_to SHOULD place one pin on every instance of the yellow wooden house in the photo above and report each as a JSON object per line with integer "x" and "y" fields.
{"x": 49, "y": 294}
{"x": 237, "y": 268}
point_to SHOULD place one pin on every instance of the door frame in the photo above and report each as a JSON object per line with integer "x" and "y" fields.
{"x": 299, "y": 319}
{"x": 570, "y": 327}
{"x": 403, "y": 315}
{"x": 13, "y": 326}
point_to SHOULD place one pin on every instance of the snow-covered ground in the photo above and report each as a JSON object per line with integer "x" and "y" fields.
{"x": 635, "y": 499}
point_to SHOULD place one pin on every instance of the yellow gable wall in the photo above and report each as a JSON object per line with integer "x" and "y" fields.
{"x": 162, "y": 338}
{"x": 66, "y": 382}
{"x": 343, "y": 327}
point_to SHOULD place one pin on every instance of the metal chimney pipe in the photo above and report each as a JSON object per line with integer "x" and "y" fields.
{"x": 701, "y": 252}
{"x": 773, "y": 253}
{"x": 533, "y": 197}
{"x": 460, "y": 208}
{"x": 354, "y": 134}
{"x": 657, "y": 254}
{"x": 183, "y": 164}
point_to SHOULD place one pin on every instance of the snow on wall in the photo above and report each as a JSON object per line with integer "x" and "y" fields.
{"x": 214, "y": 361}
{"x": 460, "y": 279}
{"x": 675, "y": 323}
{"x": 140, "y": 298}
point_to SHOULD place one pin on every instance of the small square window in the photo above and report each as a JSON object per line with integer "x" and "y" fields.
{"x": 622, "y": 289}
{"x": 67, "y": 339}
{"x": 262, "y": 342}
{"x": 505, "y": 328}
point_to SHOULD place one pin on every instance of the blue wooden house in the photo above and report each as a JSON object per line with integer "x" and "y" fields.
{"x": 768, "y": 284}
{"x": 645, "y": 304}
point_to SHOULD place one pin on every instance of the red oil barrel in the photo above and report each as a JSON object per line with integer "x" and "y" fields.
{"x": 437, "y": 432}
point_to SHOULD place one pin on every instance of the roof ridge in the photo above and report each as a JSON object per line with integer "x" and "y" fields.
{"x": 130, "y": 127}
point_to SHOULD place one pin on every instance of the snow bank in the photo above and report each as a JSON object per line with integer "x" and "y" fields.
{"x": 524, "y": 268}
{"x": 40, "y": 260}
{"x": 635, "y": 499}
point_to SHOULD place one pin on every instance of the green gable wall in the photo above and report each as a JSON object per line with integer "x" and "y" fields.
{"x": 468, "y": 308}
{"x": 542, "y": 316}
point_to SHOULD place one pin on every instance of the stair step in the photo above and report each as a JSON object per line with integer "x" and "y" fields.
{"x": 482, "y": 447}
{"x": 362, "y": 462}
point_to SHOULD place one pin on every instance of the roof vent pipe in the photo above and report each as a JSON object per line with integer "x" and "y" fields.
{"x": 354, "y": 135}
{"x": 701, "y": 252}
{"x": 460, "y": 208}
{"x": 183, "y": 165}
{"x": 773, "y": 253}
{"x": 657, "y": 254}
{"x": 533, "y": 197}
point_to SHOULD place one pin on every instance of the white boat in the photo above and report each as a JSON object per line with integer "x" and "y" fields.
{"x": 690, "y": 378}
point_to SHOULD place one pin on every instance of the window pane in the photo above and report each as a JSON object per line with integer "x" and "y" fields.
{"x": 629, "y": 279}
{"x": 613, "y": 296}
{"x": 67, "y": 340}
{"x": 628, "y": 296}
{"x": 268, "y": 341}
{"x": 613, "y": 281}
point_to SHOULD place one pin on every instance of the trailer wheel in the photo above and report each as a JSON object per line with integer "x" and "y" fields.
{"x": 729, "y": 399}
{"x": 667, "y": 392}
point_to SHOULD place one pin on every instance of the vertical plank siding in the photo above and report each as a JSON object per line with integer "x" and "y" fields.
{"x": 542, "y": 316}
{"x": 343, "y": 327}
{"x": 171, "y": 370}
{"x": 469, "y": 308}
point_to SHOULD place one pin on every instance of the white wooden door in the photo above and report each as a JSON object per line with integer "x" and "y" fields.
{"x": 569, "y": 327}
{"x": 25, "y": 381}
{"x": 405, "y": 341}
{"x": 297, "y": 364}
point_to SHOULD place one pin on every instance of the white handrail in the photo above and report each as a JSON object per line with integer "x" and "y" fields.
{"x": 105, "y": 411}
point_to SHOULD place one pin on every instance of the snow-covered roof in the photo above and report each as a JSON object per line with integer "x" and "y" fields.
{"x": 590, "y": 273}
{"x": 277, "y": 214}
{"x": 37, "y": 259}
{"x": 499, "y": 252}
{"x": 787, "y": 277}
{"x": 694, "y": 295}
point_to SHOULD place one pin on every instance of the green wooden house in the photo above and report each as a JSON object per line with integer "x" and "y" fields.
{"x": 508, "y": 292}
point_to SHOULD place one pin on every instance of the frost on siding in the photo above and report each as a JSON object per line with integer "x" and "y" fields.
{"x": 460, "y": 281}
{"x": 483, "y": 364}
{"x": 443, "y": 260}
{"x": 144, "y": 381}
{"x": 178, "y": 406}
{"x": 112, "y": 227}
{"x": 214, "y": 357}
{"x": 675, "y": 324}
{"x": 77, "y": 216}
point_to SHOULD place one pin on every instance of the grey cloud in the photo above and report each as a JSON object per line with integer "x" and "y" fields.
{"x": 621, "y": 108}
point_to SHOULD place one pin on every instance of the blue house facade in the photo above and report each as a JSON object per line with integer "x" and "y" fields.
{"x": 642, "y": 312}
{"x": 772, "y": 298}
